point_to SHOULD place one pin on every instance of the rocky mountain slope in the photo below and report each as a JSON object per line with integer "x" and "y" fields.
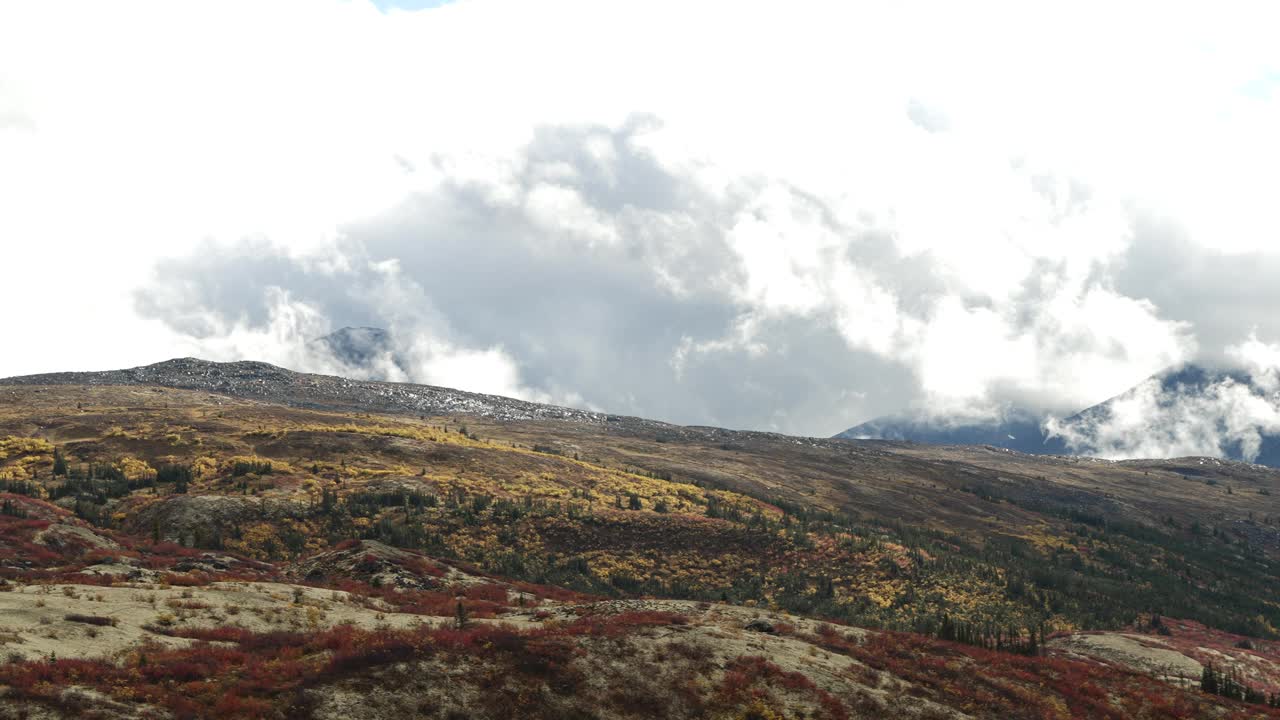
{"x": 261, "y": 381}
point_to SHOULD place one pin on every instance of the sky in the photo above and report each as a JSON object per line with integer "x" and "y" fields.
{"x": 777, "y": 216}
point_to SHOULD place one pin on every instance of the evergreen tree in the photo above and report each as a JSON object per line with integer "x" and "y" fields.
{"x": 826, "y": 588}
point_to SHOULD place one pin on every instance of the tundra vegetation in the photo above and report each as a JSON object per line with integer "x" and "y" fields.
{"x": 573, "y": 568}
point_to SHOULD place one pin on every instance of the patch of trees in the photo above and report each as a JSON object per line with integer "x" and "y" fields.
{"x": 990, "y": 636}
{"x": 20, "y": 487}
{"x": 1230, "y": 683}
{"x": 179, "y": 475}
{"x": 246, "y": 467}
{"x": 370, "y": 503}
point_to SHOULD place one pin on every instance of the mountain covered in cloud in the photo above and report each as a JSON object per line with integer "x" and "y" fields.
{"x": 358, "y": 347}
{"x": 1186, "y": 411}
{"x": 1016, "y": 429}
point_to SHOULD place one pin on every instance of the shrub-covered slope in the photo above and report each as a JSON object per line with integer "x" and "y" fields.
{"x": 132, "y": 485}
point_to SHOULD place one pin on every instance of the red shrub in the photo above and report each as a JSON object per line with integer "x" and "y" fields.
{"x": 420, "y": 567}
{"x": 489, "y": 591}
{"x": 194, "y": 579}
{"x": 233, "y": 706}
{"x": 379, "y": 648}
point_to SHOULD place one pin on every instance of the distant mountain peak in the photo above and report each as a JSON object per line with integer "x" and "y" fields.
{"x": 1190, "y": 410}
{"x": 1015, "y": 429}
{"x": 1183, "y": 411}
{"x": 365, "y": 352}
{"x": 357, "y": 346}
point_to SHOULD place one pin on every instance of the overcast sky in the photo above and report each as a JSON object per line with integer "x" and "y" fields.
{"x": 789, "y": 216}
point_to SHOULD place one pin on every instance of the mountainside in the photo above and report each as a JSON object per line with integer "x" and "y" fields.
{"x": 1187, "y": 411}
{"x": 1017, "y": 430}
{"x": 195, "y": 539}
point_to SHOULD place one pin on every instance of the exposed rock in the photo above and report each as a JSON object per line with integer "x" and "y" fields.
{"x": 67, "y": 538}
{"x": 121, "y": 570}
{"x": 374, "y": 563}
{"x": 180, "y": 517}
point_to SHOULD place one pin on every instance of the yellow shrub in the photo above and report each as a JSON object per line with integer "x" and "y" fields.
{"x": 204, "y": 466}
{"x": 134, "y": 468}
{"x": 12, "y": 446}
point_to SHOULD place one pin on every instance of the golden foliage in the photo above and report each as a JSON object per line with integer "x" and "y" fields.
{"x": 11, "y": 446}
{"x": 227, "y": 464}
{"x": 134, "y": 468}
{"x": 259, "y": 541}
{"x": 204, "y": 466}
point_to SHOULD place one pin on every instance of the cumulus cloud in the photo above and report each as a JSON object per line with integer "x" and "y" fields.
{"x": 604, "y": 273}
{"x": 726, "y": 213}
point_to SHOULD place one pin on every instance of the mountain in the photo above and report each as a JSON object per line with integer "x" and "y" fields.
{"x": 366, "y": 352}
{"x": 269, "y": 383}
{"x": 357, "y": 346}
{"x": 1181, "y": 412}
{"x": 1191, "y": 410}
{"x": 1018, "y": 430}
{"x": 237, "y": 540}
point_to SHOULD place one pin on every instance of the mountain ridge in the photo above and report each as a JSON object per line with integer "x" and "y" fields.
{"x": 252, "y": 378}
{"x": 257, "y": 380}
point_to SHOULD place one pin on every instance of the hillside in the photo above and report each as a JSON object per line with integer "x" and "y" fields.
{"x": 313, "y": 539}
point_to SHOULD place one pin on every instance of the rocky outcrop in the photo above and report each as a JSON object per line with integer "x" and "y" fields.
{"x": 182, "y": 517}
{"x": 374, "y": 563}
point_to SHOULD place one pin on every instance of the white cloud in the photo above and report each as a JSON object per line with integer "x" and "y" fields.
{"x": 1223, "y": 418}
{"x": 559, "y": 211}
{"x": 1261, "y": 360}
{"x": 1216, "y": 415}
{"x": 420, "y": 352}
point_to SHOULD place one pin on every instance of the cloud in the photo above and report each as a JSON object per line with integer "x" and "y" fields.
{"x": 252, "y": 302}
{"x": 788, "y": 219}
{"x": 603, "y": 273}
{"x": 1190, "y": 412}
